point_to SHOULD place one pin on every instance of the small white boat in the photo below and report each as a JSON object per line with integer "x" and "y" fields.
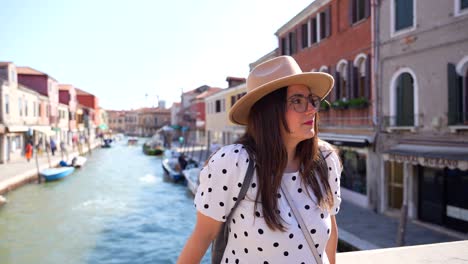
{"x": 192, "y": 177}
{"x": 77, "y": 161}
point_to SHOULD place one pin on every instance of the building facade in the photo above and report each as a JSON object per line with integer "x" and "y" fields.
{"x": 423, "y": 59}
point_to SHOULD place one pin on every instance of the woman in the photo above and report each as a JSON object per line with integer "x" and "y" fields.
{"x": 280, "y": 111}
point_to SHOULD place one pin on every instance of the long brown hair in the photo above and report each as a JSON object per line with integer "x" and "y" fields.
{"x": 264, "y": 143}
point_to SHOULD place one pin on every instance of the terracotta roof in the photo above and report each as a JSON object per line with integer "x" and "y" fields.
{"x": 81, "y": 92}
{"x": 198, "y": 90}
{"x": 65, "y": 87}
{"x": 4, "y": 63}
{"x": 208, "y": 92}
{"x": 28, "y": 70}
{"x": 31, "y": 71}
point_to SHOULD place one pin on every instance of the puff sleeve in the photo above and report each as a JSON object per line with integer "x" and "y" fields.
{"x": 334, "y": 172}
{"x": 221, "y": 180}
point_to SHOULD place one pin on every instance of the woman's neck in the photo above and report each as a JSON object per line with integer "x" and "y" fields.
{"x": 293, "y": 163}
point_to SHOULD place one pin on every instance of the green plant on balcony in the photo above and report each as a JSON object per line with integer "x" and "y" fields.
{"x": 340, "y": 104}
{"x": 324, "y": 105}
{"x": 358, "y": 103}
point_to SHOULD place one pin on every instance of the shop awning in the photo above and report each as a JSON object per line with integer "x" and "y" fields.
{"x": 17, "y": 128}
{"x": 47, "y": 130}
{"x": 430, "y": 156}
{"x": 347, "y": 139}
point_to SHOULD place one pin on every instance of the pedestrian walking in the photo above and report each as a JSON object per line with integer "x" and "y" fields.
{"x": 53, "y": 146}
{"x": 275, "y": 192}
{"x": 29, "y": 151}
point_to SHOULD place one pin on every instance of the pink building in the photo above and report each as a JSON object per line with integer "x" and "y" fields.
{"x": 46, "y": 86}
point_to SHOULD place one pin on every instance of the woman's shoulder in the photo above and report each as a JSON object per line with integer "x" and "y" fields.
{"x": 231, "y": 151}
{"x": 329, "y": 151}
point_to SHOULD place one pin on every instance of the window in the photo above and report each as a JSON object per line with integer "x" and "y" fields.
{"x": 25, "y": 107}
{"x": 361, "y": 76}
{"x": 13, "y": 76}
{"x": 354, "y": 172}
{"x": 359, "y": 10}
{"x": 20, "y": 106}
{"x": 7, "y": 104}
{"x": 461, "y": 7}
{"x": 405, "y": 100}
{"x": 233, "y": 100}
{"x": 325, "y": 23}
{"x": 34, "y": 109}
{"x": 403, "y": 14}
{"x": 284, "y": 47}
{"x": 305, "y": 35}
{"x": 218, "y": 106}
{"x": 463, "y": 4}
{"x": 341, "y": 79}
{"x": 313, "y": 27}
{"x": 292, "y": 43}
{"x": 458, "y": 94}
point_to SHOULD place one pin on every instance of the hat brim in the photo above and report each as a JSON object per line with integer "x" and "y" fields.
{"x": 320, "y": 84}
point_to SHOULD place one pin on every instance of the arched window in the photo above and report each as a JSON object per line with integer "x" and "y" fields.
{"x": 404, "y": 100}
{"x": 458, "y": 92}
{"x": 342, "y": 80}
{"x": 323, "y": 68}
{"x": 360, "y": 83}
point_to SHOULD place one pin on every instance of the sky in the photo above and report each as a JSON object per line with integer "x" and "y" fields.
{"x": 130, "y": 53}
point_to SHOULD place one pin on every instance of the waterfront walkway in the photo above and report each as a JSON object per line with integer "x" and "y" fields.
{"x": 365, "y": 229}
{"x": 19, "y": 172}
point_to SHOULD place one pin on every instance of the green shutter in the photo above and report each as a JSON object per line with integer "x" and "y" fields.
{"x": 405, "y": 100}
{"x": 455, "y": 97}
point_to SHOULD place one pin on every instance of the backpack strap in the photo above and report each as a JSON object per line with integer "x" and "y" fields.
{"x": 219, "y": 244}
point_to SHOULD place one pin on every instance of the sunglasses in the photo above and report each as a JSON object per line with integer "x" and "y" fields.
{"x": 300, "y": 103}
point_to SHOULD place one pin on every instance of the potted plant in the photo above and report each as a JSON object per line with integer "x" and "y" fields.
{"x": 340, "y": 104}
{"x": 324, "y": 105}
{"x": 358, "y": 103}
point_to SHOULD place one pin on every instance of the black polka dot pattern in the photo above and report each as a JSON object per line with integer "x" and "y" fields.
{"x": 250, "y": 239}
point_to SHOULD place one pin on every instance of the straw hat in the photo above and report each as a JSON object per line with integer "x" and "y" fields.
{"x": 274, "y": 74}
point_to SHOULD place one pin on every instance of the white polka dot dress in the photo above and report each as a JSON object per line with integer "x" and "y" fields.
{"x": 250, "y": 239}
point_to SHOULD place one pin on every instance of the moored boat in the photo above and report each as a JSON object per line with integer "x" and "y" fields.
{"x": 192, "y": 177}
{"x": 132, "y": 141}
{"x": 53, "y": 174}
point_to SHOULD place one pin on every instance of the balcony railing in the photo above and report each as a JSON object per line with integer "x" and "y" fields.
{"x": 402, "y": 122}
{"x": 346, "y": 118}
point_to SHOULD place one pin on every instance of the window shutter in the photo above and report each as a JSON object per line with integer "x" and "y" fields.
{"x": 337, "y": 85}
{"x": 356, "y": 82}
{"x": 314, "y": 30}
{"x": 366, "y": 8}
{"x": 350, "y": 81}
{"x": 299, "y": 38}
{"x": 351, "y": 11}
{"x": 368, "y": 78}
{"x": 328, "y": 22}
{"x": 455, "y": 98}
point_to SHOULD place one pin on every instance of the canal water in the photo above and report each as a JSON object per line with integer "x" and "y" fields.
{"x": 116, "y": 209}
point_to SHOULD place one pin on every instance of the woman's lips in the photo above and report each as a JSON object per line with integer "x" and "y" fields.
{"x": 310, "y": 122}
